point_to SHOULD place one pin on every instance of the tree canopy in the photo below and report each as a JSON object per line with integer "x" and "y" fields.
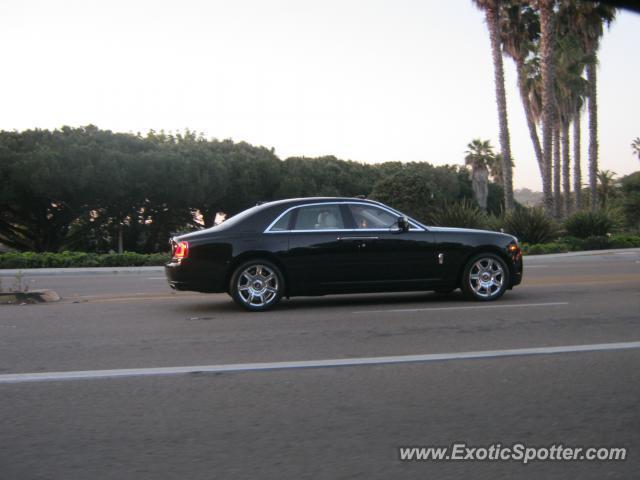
{"x": 86, "y": 188}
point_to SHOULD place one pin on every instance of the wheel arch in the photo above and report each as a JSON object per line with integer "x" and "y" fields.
{"x": 486, "y": 249}
{"x": 252, "y": 255}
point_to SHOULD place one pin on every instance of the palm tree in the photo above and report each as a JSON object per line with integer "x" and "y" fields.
{"x": 547, "y": 42}
{"x": 492, "y": 14}
{"x": 606, "y": 184}
{"x": 481, "y": 158}
{"x": 495, "y": 169}
{"x": 635, "y": 146}
{"x": 566, "y": 166}
{"x": 571, "y": 88}
{"x": 550, "y": 171}
{"x": 520, "y": 32}
{"x": 577, "y": 170}
{"x": 588, "y": 21}
{"x": 557, "y": 193}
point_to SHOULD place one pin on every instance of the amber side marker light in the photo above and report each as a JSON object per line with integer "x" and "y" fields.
{"x": 181, "y": 250}
{"x": 512, "y": 248}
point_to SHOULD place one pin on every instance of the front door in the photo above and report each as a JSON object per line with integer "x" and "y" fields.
{"x": 391, "y": 258}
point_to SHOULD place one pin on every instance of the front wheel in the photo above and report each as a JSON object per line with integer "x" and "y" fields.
{"x": 485, "y": 277}
{"x": 257, "y": 285}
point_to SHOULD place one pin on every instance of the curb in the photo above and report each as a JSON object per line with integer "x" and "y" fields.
{"x": 82, "y": 271}
{"x": 35, "y": 296}
{"x": 584, "y": 253}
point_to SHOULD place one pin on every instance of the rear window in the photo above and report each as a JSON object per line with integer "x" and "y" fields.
{"x": 283, "y": 223}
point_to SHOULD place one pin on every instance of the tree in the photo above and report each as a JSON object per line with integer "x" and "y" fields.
{"x": 51, "y": 179}
{"x": 325, "y": 176}
{"x": 419, "y": 189}
{"x": 635, "y": 146}
{"x": 588, "y": 21}
{"x": 570, "y": 90}
{"x": 606, "y": 183}
{"x": 91, "y": 189}
{"x": 547, "y": 42}
{"x": 520, "y": 31}
{"x": 208, "y": 177}
{"x": 557, "y": 194}
{"x": 495, "y": 170}
{"x": 254, "y": 175}
{"x": 573, "y": 90}
{"x": 492, "y": 14}
{"x": 481, "y": 159}
{"x": 631, "y": 199}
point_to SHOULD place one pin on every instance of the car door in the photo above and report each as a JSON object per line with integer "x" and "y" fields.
{"x": 391, "y": 258}
{"x": 319, "y": 258}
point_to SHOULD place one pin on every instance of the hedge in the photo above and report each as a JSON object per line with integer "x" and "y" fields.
{"x": 80, "y": 259}
{"x": 573, "y": 244}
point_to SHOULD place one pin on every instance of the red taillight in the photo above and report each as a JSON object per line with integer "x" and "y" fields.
{"x": 181, "y": 250}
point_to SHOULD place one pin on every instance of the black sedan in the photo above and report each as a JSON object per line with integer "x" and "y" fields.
{"x": 319, "y": 246}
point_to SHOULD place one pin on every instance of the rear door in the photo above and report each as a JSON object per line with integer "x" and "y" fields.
{"x": 319, "y": 258}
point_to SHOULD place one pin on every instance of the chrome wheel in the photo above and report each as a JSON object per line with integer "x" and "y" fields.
{"x": 257, "y": 286}
{"x": 486, "y": 277}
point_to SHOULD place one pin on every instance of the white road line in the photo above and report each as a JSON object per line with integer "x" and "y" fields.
{"x": 156, "y": 278}
{"x": 338, "y": 362}
{"x": 535, "y": 266}
{"x": 476, "y": 307}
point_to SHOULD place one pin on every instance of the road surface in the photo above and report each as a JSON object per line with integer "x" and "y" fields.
{"x": 381, "y": 372}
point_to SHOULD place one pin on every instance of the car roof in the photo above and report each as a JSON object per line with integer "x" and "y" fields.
{"x": 258, "y": 217}
{"x": 305, "y": 200}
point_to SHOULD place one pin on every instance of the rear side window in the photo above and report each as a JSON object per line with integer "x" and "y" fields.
{"x": 369, "y": 216}
{"x": 283, "y": 223}
{"x": 319, "y": 217}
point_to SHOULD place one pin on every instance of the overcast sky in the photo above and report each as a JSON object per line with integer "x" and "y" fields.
{"x": 364, "y": 80}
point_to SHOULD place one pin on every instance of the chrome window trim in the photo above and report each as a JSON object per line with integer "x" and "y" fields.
{"x": 414, "y": 226}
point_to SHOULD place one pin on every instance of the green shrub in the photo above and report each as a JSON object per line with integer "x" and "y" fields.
{"x": 630, "y": 186}
{"x": 590, "y": 224}
{"x": 574, "y": 244}
{"x": 80, "y": 259}
{"x": 463, "y": 214}
{"x": 625, "y": 241}
{"x": 544, "y": 248}
{"x": 495, "y": 222}
{"x": 530, "y": 225}
{"x": 596, "y": 242}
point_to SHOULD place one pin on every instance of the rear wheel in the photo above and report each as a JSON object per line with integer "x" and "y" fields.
{"x": 485, "y": 277}
{"x": 257, "y": 285}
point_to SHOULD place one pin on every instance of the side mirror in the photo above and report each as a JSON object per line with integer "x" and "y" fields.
{"x": 403, "y": 224}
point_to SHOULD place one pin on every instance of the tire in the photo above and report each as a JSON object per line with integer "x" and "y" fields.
{"x": 257, "y": 285}
{"x": 485, "y": 277}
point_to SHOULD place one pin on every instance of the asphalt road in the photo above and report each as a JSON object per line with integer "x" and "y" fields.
{"x": 344, "y": 420}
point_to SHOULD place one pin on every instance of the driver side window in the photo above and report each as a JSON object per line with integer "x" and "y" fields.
{"x": 371, "y": 217}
